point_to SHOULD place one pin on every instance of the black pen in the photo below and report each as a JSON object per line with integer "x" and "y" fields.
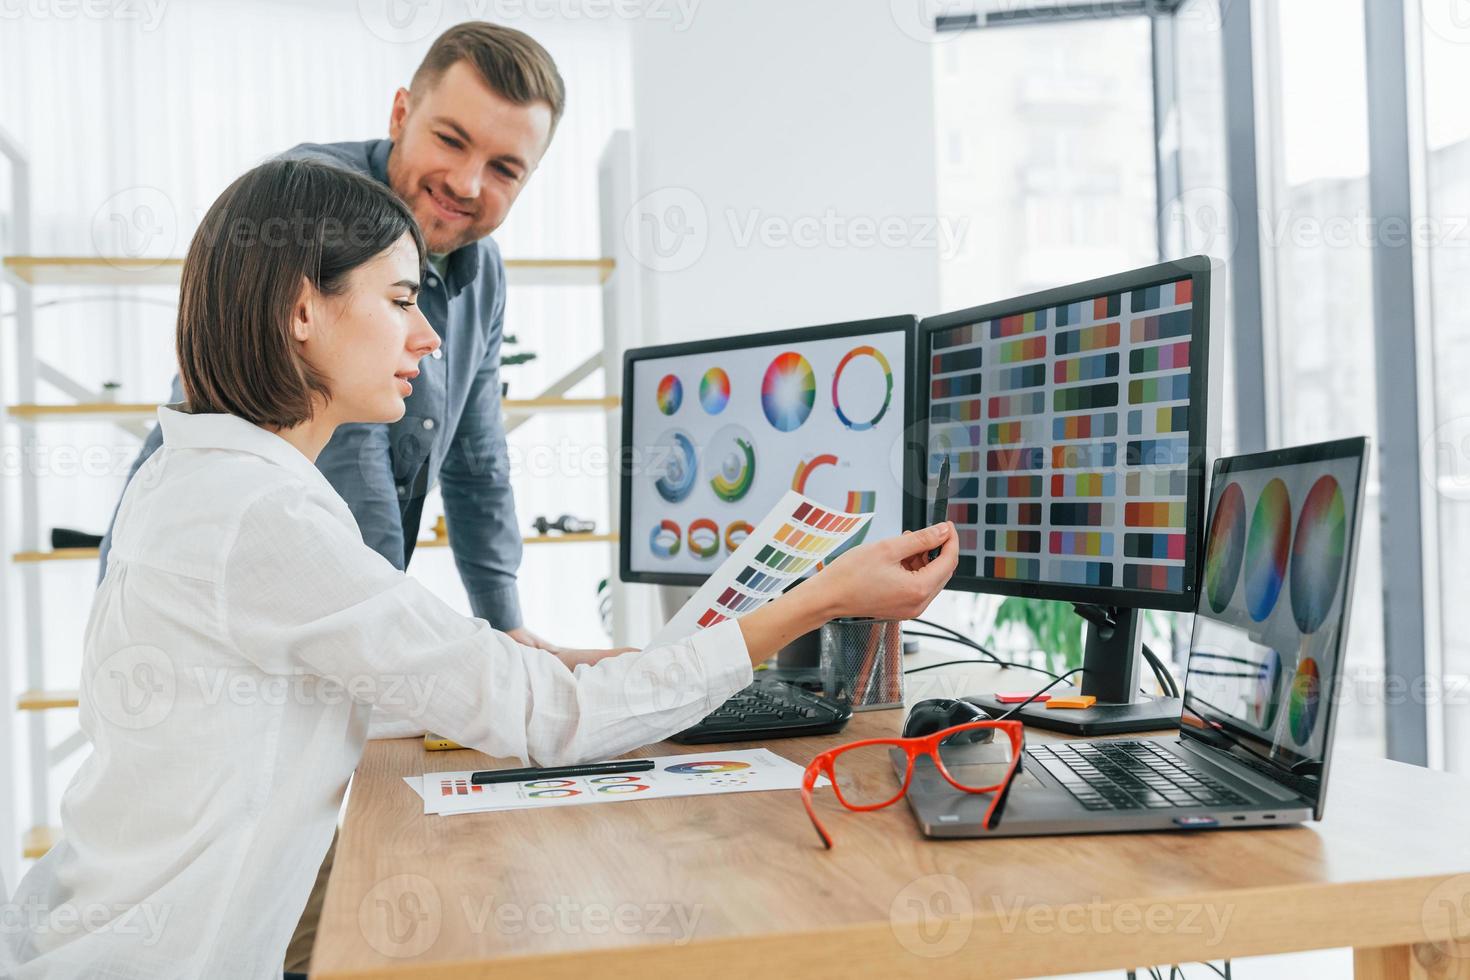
{"x": 560, "y": 772}
{"x": 941, "y": 500}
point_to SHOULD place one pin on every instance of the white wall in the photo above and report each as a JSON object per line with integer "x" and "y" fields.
{"x": 814, "y": 118}
{"x": 785, "y": 174}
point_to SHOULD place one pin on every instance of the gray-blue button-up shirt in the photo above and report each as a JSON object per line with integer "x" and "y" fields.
{"x": 452, "y": 433}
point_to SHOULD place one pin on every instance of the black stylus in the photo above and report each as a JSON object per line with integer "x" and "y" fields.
{"x": 560, "y": 772}
{"x": 941, "y": 500}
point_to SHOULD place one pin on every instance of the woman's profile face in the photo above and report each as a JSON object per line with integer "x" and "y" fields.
{"x": 368, "y": 340}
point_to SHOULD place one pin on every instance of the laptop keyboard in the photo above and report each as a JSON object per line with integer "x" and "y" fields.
{"x": 1130, "y": 775}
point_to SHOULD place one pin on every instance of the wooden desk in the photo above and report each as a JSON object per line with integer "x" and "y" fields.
{"x": 739, "y": 886}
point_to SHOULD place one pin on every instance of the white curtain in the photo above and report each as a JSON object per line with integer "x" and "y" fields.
{"x": 134, "y": 121}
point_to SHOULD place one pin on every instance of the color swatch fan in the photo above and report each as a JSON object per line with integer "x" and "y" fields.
{"x": 796, "y": 535}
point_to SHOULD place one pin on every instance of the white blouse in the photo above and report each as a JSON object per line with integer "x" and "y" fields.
{"x": 236, "y": 647}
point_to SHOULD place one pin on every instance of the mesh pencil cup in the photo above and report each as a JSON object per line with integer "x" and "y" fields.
{"x": 862, "y": 662}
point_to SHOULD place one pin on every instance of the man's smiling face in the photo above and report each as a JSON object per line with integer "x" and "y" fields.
{"x": 461, "y": 154}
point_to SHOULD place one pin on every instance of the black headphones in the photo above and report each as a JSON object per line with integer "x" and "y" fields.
{"x": 936, "y": 714}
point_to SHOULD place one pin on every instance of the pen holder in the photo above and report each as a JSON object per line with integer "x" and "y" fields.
{"x": 862, "y": 662}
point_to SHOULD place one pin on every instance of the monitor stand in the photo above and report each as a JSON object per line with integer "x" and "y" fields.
{"x": 1110, "y": 673}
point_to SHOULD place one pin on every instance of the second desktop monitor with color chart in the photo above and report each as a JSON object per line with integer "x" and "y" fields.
{"x": 714, "y": 432}
{"x": 1076, "y": 422}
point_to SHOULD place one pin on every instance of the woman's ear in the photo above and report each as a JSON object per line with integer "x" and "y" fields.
{"x": 303, "y": 312}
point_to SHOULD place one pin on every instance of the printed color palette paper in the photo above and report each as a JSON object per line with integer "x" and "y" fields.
{"x": 743, "y": 771}
{"x": 788, "y": 541}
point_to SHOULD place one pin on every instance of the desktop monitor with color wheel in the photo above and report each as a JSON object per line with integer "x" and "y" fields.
{"x": 715, "y": 431}
{"x": 1076, "y": 421}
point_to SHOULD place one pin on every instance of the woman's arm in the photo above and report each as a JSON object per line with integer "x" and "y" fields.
{"x": 301, "y": 593}
{"x": 890, "y": 579}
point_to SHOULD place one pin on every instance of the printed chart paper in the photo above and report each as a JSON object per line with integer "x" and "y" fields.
{"x": 742, "y": 771}
{"x": 796, "y": 535}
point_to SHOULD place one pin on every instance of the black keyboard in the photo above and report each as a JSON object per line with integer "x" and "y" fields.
{"x": 1130, "y": 775}
{"x": 768, "y": 710}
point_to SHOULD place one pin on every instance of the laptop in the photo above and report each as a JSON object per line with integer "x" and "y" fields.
{"x": 1265, "y": 663}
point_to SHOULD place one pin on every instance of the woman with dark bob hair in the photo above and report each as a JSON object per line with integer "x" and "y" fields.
{"x": 243, "y": 632}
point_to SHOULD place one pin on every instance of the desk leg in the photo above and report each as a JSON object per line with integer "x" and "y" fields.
{"x": 1421, "y": 961}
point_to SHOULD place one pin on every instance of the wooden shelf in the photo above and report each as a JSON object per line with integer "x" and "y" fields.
{"x": 37, "y": 841}
{"x": 531, "y": 539}
{"x": 45, "y": 700}
{"x": 83, "y": 554}
{"x": 97, "y": 270}
{"x": 55, "y": 554}
{"x": 534, "y": 539}
{"x": 528, "y": 405}
{"x": 84, "y": 411}
{"x": 93, "y": 270}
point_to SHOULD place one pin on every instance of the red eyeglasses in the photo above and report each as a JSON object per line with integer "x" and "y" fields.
{"x": 860, "y": 771}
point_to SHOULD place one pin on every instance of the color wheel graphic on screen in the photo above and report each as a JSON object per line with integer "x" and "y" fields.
{"x": 1225, "y": 548}
{"x": 1306, "y": 690}
{"x": 730, "y": 460}
{"x": 868, "y": 376}
{"x": 1317, "y": 554}
{"x": 706, "y": 768}
{"x": 670, "y": 394}
{"x": 665, "y": 538}
{"x": 788, "y": 391}
{"x": 675, "y": 466}
{"x": 1266, "y": 699}
{"x": 703, "y": 538}
{"x": 735, "y": 534}
{"x": 1266, "y": 547}
{"x": 714, "y": 390}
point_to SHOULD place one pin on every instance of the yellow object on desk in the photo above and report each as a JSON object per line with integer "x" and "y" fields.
{"x": 1072, "y": 701}
{"x": 438, "y": 743}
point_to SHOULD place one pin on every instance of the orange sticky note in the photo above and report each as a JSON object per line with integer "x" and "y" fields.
{"x": 1074, "y": 701}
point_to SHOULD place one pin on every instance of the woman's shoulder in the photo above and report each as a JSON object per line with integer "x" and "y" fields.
{"x": 189, "y": 510}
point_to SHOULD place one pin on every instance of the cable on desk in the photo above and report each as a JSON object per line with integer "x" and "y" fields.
{"x": 951, "y": 663}
{"x": 1018, "y": 707}
{"x": 959, "y": 636}
{"x": 962, "y": 641}
{"x": 1161, "y": 673}
{"x": 1165, "y": 679}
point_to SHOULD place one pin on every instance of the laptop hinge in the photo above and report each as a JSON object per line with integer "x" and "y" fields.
{"x": 1222, "y": 759}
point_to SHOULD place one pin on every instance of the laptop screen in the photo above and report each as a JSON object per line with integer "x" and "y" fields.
{"x": 1269, "y": 628}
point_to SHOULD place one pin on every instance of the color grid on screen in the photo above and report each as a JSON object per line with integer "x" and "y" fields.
{"x": 1068, "y": 430}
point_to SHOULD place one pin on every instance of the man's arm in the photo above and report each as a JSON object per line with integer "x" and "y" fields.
{"x": 479, "y": 504}
{"x": 356, "y": 464}
{"x": 150, "y": 446}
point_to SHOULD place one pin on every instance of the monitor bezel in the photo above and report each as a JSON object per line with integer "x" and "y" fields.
{"x": 1197, "y": 269}
{"x": 904, "y": 323}
{"x": 1337, "y": 449}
